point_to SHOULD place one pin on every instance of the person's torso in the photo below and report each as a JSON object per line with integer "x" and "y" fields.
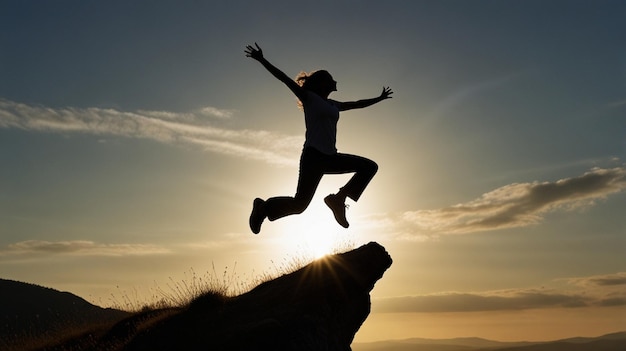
{"x": 321, "y": 117}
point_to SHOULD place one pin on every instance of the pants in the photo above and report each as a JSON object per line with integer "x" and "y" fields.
{"x": 313, "y": 165}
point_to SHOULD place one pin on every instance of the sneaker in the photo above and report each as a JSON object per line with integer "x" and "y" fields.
{"x": 339, "y": 209}
{"x": 257, "y": 216}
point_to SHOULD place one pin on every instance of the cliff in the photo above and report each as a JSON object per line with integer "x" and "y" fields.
{"x": 318, "y": 307}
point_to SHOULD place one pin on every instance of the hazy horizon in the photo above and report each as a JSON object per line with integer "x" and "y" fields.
{"x": 134, "y": 137}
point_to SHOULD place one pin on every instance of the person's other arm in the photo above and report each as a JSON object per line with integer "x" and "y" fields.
{"x": 257, "y": 54}
{"x": 349, "y": 105}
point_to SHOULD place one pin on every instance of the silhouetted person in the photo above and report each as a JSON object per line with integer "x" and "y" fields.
{"x": 319, "y": 155}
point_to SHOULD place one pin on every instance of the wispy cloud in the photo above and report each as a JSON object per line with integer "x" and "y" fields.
{"x": 617, "y": 279}
{"x": 616, "y": 104}
{"x": 489, "y": 301}
{"x": 164, "y": 126}
{"x": 511, "y": 299}
{"x": 80, "y": 247}
{"x": 513, "y": 205}
{"x": 465, "y": 93}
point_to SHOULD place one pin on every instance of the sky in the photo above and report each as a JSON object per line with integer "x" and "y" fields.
{"x": 134, "y": 136}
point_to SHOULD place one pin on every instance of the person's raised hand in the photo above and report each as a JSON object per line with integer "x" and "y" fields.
{"x": 255, "y": 53}
{"x": 386, "y": 94}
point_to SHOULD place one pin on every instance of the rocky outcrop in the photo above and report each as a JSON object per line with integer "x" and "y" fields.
{"x": 318, "y": 307}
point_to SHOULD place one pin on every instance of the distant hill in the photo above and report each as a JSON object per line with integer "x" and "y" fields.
{"x": 30, "y": 314}
{"x": 609, "y": 342}
{"x": 419, "y": 344}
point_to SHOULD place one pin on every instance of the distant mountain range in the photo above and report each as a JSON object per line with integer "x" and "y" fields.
{"x": 609, "y": 342}
{"x": 32, "y": 314}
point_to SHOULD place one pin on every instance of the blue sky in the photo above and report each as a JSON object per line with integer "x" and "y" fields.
{"x": 135, "y": 135}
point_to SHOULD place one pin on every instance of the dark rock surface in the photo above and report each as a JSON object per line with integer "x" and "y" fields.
{"x": 318, "y": 307}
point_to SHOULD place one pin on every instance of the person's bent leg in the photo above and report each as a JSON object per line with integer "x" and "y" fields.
{"x": 364, "y": 170}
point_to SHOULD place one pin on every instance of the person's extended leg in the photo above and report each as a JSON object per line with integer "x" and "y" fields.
{"x": 364, "y": 170}
{"x": 281, "y": 206}
{"x": 274, "y": 208}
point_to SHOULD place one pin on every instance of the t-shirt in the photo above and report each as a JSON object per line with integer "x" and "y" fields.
{"x": 321, "y": 117}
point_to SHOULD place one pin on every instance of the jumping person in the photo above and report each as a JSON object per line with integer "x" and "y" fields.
{"x": 319, "y": 155}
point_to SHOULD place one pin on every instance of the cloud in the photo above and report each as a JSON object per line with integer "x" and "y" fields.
{"x": 81, "y": 247}
{"x": 616, "y": 104}
{"x": 594, "y": 291}
{"x": 163, "y": 126}
{"x": 474, "y": 302}
{"x": 513, "y": 205}
{"x": 607, "y": 280}
{"x": 495, "y": 301}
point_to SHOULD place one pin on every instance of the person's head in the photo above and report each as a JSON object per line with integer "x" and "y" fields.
{"x": 319, "y": 82}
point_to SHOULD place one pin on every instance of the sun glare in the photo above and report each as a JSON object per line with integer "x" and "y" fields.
{"x": 314, "y": 233}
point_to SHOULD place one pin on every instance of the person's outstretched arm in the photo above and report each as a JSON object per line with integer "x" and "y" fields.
{"x": 349, "y": 105}
{"x": 257, "y": 54}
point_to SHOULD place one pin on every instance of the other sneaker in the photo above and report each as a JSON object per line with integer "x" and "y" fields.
{"x": 338, "y": 207}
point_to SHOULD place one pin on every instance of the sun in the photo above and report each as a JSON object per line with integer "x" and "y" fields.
{"x": 321, "y": 243}
{"x": 314, "y": 233}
